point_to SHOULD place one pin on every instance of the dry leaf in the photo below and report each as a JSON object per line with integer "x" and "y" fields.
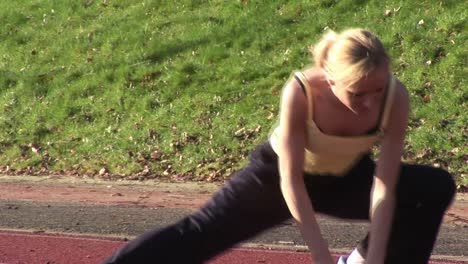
{"x": 239, "y": 132}
{"x": 427, "y": 98}
{"x": 156, "y": 155}
{"x": 271, "y": 116}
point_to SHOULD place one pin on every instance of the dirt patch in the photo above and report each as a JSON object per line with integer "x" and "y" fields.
{"x": 189, "y": 195}
{"x": 64, "y": 189}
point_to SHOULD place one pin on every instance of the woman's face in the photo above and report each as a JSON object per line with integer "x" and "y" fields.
{"x": 363, "y": 96}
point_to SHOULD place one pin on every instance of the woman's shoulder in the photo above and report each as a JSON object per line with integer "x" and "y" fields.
{"x": 313, "y": 74}
{"x": 316, "y": 78}
{"x": 401, "y": 92}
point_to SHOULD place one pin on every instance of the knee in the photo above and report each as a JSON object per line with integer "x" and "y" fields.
{"x": 427, "y": 185}
{"x": 445, "y": 188}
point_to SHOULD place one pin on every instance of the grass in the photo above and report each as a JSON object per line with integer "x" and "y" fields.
{"x": 184, "y": 90}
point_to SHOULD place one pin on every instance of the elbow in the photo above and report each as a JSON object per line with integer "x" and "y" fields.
{"x": 286, "y": 185}
{"x": 291, "y": 184}
{"x": 290, "y": 180}
{"x": 383, "y": 189}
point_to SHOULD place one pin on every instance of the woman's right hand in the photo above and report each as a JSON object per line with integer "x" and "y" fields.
{"x": 291, "y": 145}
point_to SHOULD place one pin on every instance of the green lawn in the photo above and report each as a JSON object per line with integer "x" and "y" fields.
{"x": 155, "y": 89}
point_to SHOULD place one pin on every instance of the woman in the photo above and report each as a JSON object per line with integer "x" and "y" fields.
{"x": 318, "y": 160}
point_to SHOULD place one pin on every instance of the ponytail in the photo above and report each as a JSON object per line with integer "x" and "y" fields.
{"x": 320, "y": 51}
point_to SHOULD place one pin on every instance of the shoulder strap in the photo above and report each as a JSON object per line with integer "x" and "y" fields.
{"x": 388, "y": 103}
{"x": 305, "y": 83}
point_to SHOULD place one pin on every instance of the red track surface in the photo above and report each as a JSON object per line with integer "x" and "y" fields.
{"x": 27, "y": 248}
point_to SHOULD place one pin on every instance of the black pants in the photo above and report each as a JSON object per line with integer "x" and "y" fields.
{"x": 252, "y": 202}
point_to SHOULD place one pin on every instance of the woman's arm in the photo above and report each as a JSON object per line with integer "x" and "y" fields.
{"x": 291, "y": 148}
{"x": 386, "y": 177}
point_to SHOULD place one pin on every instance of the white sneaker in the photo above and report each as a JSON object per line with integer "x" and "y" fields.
{"x": 342, "y": 260}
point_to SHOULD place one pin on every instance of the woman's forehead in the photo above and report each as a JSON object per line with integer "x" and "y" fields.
{"x": 373, "y": 81}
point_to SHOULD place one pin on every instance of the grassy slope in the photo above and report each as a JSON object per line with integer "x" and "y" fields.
{"x": 154, "y": 88}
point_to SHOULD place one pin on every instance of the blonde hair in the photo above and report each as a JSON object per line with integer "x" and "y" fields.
{"x": 349, "y": 55}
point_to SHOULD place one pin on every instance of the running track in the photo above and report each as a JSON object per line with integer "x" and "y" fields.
{"x": 30, "y": 248}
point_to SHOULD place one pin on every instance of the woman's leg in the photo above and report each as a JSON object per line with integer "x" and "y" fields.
{"x": 423, "y": 195}
{"x": 248, "y": 204}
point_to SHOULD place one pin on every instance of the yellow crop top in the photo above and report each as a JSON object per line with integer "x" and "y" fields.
{"x": 335, "y": 155}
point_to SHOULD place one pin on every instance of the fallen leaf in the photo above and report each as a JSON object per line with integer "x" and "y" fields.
{"x": 239, "y": 132}
{"x": 271, "y": 116}
{"x": 427, "y": 98}
{"x": 156, "y": 155}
